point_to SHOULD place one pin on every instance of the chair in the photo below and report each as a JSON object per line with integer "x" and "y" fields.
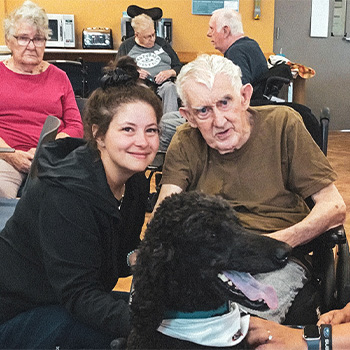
{"x": 77, "y": 74}
{"x": 48, "y": 133}
{"x": 81, "y": 101}
{"x": 332, "y": 271}
{"x": 312, "y": 124}
{"x": 132, "y": 11}
{"x": 155, "y": 168}
{"x": 270, "y": 84}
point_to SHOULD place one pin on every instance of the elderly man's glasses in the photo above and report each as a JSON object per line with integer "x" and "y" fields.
{"x": 24, "y": 41}
{"x": 205, "y": 112}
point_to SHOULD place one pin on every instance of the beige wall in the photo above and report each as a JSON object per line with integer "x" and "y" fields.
{"x": 2, "y": 12}
{"x": 189, "y": 31}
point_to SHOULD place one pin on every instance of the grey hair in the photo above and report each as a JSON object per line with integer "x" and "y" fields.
{"x": 230, "y": 18}
{"x": 141, "y": 22}
{"x": 32, "y": 14}
{"x": 203, "y": 70}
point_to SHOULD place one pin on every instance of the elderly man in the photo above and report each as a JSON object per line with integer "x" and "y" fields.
{"x": 157, "y": 60}
{"x": 261, "y": 159}
{"x": 227, "y": 35}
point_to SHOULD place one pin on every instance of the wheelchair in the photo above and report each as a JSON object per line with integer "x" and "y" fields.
{"x": 270, "y": 84}
{"x": 328, "y": 255}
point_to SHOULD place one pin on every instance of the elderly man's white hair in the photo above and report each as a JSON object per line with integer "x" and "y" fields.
{"x": 32, "y": 14}
{"x": 203, "y": 70}
{"x": 230, "y": 18}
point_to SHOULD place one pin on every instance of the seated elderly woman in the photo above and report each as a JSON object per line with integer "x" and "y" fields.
{"x": 157, "y": 61}
{"x": 31, "y": 90}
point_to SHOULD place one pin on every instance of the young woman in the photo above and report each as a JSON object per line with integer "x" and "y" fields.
{"x": 67, "y": 243}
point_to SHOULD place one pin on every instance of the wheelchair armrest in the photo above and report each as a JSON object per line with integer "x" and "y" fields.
{"x": 327, "y": 240}
{"x": 334, "y": 236}
{"x": 277, "y": 79}
{"x": 157, "y": 164}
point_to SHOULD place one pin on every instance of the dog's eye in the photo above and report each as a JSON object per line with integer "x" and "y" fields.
{"x": 213, "y": 235}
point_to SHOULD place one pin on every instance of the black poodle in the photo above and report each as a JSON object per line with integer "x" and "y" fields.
{"x": 192, "y": 248}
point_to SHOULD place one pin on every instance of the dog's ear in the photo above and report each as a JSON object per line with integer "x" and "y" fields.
{"x": 150, "y": 286}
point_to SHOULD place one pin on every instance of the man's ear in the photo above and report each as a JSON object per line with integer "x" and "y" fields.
{"x": 185, "y": 113}
{"x": 226, "y": 30}
{"x": 246, "y": 94}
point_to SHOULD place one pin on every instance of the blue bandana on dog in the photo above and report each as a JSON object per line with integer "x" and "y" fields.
{"x": 220, "y": 331}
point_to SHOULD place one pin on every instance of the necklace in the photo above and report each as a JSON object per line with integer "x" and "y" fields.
{"x": 121, "y": 198}
{"x": 120, "y": 202}
{"x": 37, "y": 69}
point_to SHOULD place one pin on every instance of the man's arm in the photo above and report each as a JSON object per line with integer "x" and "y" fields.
{"x": 176, "y": 65}
{"x": 329, "y": 211}
{"x": 125, "y": 47}
{"x": 283, "y": 337}
{"x": 164, "y": 75}
{"x": 166, "y": 191}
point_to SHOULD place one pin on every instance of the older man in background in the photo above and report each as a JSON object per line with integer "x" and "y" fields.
{"x": 227, "y": 35}
{"x": 158, "y": 62}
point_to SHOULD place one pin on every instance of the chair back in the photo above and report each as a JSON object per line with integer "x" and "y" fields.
{"x": 48, "y": 133}
{"x": 77, "y": 74}
{"x": 324, "y": 120}
{"x": 81, "y": 101}
{"x": 271, "y": 83}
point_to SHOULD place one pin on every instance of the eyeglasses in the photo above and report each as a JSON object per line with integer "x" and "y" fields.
{"x": 24, "y": 41}
{"x": 205, "y": 112}
{"x": 147, "y": 37}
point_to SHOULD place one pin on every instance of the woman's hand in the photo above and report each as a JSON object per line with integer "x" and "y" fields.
{"x": 143, "y": 74}
{"x": 20, "y": 160}
{"x": 164, "y": 75}
{"x": 335, "y": 316}
{"x": 264, "y": 335}
{"x": 132, "y": 257}
{"x": 61, "y": 135}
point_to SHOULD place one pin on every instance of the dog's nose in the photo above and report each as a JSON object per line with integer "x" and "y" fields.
{"x": 282, "y": 254}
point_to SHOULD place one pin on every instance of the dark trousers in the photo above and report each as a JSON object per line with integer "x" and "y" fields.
{"x": 50, "y": 327}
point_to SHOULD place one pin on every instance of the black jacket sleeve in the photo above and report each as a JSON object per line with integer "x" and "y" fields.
{"x": 125, "y": 47}
{"x": 175, "y": 62}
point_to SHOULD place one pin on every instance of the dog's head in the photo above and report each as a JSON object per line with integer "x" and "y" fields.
{"x": 191, "y": 239}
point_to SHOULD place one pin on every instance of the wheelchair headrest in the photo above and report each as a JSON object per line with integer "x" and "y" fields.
{"x": 155, "y": 13}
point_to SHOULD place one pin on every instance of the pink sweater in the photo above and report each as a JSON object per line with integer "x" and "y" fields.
{"x": 26, "y": 101}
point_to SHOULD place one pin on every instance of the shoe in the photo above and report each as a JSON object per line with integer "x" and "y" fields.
{"x": 155, "y": 13}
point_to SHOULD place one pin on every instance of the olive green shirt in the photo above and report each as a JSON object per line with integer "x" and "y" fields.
{"x": 266, "y": 180}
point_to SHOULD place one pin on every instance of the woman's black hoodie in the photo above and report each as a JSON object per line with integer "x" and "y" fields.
{"x": 67, "y": 241}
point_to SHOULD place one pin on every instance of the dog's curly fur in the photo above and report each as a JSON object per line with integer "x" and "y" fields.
{"x": 191, "y": 238}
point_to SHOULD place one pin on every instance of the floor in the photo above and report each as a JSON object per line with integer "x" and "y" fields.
{"x": 339, "y": 157}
